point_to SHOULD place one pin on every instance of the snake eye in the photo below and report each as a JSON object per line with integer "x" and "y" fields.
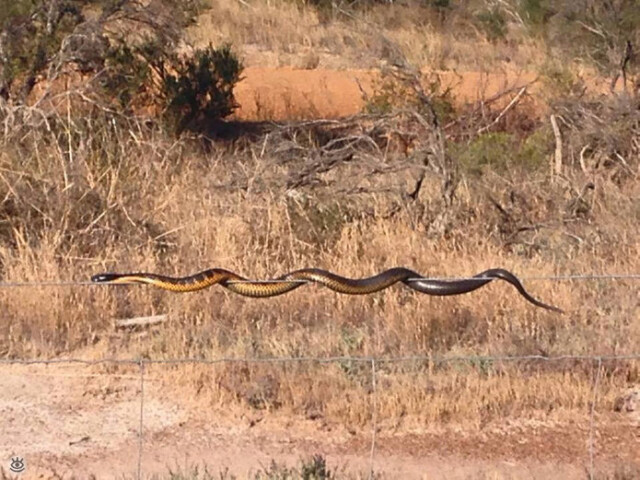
{"x": 104, "y": 277}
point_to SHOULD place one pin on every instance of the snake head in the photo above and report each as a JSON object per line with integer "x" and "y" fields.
{"x": 106, "y": 278}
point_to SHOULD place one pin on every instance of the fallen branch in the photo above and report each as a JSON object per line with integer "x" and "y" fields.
{"x": 140, "y": 321}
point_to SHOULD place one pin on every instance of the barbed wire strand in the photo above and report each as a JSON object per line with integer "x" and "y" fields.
{"x": 374, "y": 418}
{"x": 141, "y": 427}
{"x": 321, "y": 360}
{"x": 592, "y": 422}
{"x": 603, "y": 276}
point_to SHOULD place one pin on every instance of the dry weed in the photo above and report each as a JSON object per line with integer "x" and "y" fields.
{"x": 283, "y": 32}
{"x": 97, "y": 195}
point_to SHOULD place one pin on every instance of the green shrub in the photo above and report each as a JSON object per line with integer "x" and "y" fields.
{"x": 129, "y": 49}
{"x": 314, "y": 468}
{"x": 201, "y": 87}
{"x": 501, "y": 151}
{"x": 187, "y": 89}
{"x": 31, "y": 34}
{"x": 125, "y": 76}
{"x": 492, "y": 150}
{"x": 536, "y": 149}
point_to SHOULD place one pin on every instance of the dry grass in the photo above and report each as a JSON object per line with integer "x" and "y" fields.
{"x": 125, "y": 198}
{"x": 99, "y": 194}
{"x": 283, "y": 32}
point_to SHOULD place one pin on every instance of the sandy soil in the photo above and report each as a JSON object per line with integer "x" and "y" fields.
{"x": 286, "y": 93}
{"x": 75, "y": 420}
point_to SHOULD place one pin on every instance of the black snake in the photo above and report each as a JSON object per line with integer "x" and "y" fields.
{"x": 337, "y": 283}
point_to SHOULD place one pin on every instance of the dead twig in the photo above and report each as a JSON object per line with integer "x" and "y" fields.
{"x": 583, "y": 165}
{"x": 511, "y": 104}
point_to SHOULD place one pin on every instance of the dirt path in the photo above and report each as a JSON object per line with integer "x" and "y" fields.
{"x": 79, "y": 420}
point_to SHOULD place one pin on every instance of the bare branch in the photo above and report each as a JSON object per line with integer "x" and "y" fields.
{"x": 557, "y": 165}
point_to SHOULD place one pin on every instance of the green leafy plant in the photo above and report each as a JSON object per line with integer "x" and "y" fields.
{"x": 314, "y": 468}
{"x": 201, "y": 87}
{"x": 501, "y": 151}
{"x": 126, "y": 49}
{"x": 187, "y": 89}
{"x": 487, "y": 150}
{"x": 31, "y": 34}
{"x": 125, "y": 77}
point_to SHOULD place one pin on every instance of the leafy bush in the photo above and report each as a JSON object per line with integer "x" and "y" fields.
{"x": 314, "y": 468}
{"x": 501, "y": 151}
{"x": 185, "y": 89}
{"x": 536, "y": 149}
{"x": 42, "y": 39}
{"x": 129, "y": 48}
{"x": 125, "y": 76}
{"x": 31, "y": 33}
{"x": 202, "y": 86}
{"x": 487, "y": 150}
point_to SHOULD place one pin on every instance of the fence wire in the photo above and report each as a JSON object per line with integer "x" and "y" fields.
{"x": 433, "y": 359}
{"x": 373, "y": 361}
{"x": 141, "y": 424}
{"x": 557, "y": 278}
{"x": 592, "y": 416}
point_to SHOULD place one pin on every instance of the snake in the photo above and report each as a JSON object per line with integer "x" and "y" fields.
{"x": 295, "y": 279}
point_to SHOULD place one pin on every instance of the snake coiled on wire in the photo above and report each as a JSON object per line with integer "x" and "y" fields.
{"x": 337, "y": 283}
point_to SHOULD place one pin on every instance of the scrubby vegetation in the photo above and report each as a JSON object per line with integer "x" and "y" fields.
{"x": 118, "y": 55}
{"x": 312, "y": 468}
{"x": 91, "y": 182}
